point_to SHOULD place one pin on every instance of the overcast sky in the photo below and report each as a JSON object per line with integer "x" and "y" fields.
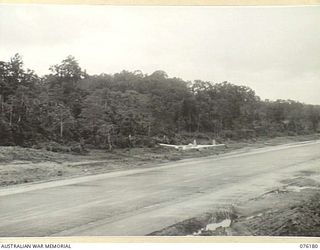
{"x": 274, "y": 50}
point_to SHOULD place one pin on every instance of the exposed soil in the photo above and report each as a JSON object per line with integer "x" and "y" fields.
{"x": 291, "y": 210}
{"x": 25, "y": 165}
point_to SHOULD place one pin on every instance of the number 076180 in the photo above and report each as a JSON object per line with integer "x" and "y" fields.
{"x": 309, "y": 246}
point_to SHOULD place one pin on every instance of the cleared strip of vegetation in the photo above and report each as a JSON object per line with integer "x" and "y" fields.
{"x": 24, "y": 165}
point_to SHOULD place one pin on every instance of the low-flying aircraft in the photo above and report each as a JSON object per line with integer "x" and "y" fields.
{"x": 193, "y": 145}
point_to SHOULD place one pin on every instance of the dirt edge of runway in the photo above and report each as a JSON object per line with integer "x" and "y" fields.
{"x": 24, "y": 165}
{"x": 291, "y": 210}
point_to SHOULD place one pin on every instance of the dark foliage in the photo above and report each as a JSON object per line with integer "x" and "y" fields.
{"x": 130, "y": 109}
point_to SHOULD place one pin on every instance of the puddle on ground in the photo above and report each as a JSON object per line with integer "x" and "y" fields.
{"x": 213, "y": 226}
{"x": 298, "y": 189}
{"x": 253, "y": 216}
{"x": 291, "y": 188}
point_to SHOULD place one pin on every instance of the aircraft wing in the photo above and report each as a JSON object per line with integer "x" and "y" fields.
{"x": 209, "y": 146}
{"x": 169, "y": 145}
{"x": 186, "y": 147}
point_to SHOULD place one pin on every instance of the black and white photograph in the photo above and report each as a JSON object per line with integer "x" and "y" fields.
{"x": 120, "y": 120}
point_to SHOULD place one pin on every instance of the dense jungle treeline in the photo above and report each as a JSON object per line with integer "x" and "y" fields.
{"x": 68, "y": 106}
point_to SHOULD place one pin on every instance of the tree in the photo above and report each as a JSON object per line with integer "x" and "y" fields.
{"x": 117, "y": 110}
{"x": 313, "y": 114}
{"x": 68, "y": 70}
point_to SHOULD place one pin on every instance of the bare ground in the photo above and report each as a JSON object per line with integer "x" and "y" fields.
{"x": 291, "y": 210}
{"x": 25, "y": 165}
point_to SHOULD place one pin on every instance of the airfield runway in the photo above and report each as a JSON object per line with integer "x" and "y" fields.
{"x": 139, "y": 202}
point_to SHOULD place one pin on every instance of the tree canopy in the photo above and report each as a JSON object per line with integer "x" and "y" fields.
{"x": 135, "y": 109}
